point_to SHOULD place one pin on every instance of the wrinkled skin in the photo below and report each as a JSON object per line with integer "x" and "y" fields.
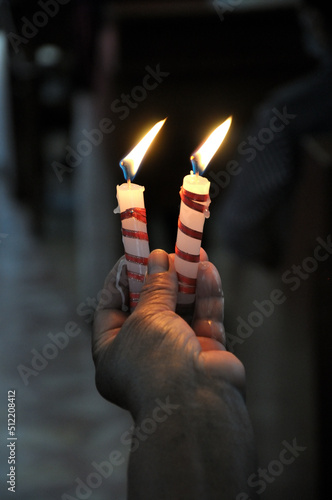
{"x": 140, "y": 355}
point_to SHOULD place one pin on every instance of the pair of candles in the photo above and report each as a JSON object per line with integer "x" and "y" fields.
{"x": 194, "y": 209}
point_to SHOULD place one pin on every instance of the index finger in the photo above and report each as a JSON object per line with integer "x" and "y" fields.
{"x": 115, "y": 293}
{"x": 209, "y": 307}
{"x": 111, "y": 310}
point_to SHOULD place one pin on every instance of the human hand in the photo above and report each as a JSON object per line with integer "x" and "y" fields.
{"x": 154, "y": 351}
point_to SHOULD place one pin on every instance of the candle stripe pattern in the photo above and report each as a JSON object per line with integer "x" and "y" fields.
{"x": 190, "y": 200}
{"x": 136, "y": 259}
{"x": 193, "y": 211}
{"x": 188, "y": 281}
{"x": 137, "y": 277}
{"x": 186, "y": 285}
{"x": 140, "y": 235}
{"x": 189, "y": 232}
{"x": 136, "y": 213}
{"x": 186, "y": 256}
{"x": 134, "y": 233}
{"x": 134, "y": 296}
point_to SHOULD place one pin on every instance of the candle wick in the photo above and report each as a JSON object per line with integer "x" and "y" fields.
{"x": 129, "y": 183}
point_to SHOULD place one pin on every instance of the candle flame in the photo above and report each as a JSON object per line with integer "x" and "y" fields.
{"x": 201, "y": 158}
{"x": 130, "y": 164}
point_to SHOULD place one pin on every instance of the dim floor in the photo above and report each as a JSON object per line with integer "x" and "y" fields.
{"x": 63, "y": 426}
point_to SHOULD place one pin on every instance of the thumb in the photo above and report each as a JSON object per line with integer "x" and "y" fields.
{"x": 159, "y": 292}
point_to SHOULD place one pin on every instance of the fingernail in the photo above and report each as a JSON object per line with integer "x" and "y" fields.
{"x": 209, "y": 279}
{"x": 158, "y": 262}
{"x": 204, "y": 264}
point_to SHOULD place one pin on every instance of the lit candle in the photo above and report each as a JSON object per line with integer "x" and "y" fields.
{"x": 133, "y": 217}
{"x": 194, "y": 209}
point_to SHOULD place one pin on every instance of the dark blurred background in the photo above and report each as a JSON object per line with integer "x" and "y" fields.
{"x": 71, "y": 66}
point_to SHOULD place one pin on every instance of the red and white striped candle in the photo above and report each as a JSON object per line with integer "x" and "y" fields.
{"x": 133, "y": 217}
{"x": 194, "y": 209}
{"x": 134, "y": 236}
